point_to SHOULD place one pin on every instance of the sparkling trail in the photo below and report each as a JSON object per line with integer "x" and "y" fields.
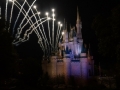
{"x": 18, "y": 16}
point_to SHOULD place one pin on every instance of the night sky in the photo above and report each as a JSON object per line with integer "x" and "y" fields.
{"x": 67, "y": 9}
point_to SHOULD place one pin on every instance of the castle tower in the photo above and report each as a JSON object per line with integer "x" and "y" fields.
{"x": 75, "y": 43}
{"x": 84, "y": 65}
{"x": 79, "y": 33}
{"x": 67, "y": 67}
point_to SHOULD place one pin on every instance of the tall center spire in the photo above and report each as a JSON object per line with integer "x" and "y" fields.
{"x": 78, "y": 17}
{"x": 78, "y": 25}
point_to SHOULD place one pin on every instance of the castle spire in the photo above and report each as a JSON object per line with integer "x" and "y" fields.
{"x": 78, "y": 25}
{"x": 78, "y": 17}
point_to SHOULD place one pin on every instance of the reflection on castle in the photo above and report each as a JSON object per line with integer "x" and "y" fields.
{"x": 72, "y": 59}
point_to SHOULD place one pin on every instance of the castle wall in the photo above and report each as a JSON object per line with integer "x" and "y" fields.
{"x": 46, "y": 67}
{"x": 84, "y": 67}
{"x": 84, "y": 70}
{"x": 90, "y": 66}
{"x": 75, "y": 68}
{"x": 52, "y": 70}
{"x": 67, "y": 67}
{"x": 60, "y": 68}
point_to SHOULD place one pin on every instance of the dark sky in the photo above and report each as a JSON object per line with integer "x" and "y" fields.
{"x": 67, "y": 9}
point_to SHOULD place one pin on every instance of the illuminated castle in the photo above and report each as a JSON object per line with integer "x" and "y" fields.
{"x": 72, "y": 59}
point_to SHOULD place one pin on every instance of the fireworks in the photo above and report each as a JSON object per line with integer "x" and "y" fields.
{"x": 48, "y": 43}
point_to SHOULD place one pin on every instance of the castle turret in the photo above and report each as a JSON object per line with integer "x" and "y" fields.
{"x": 79, "y": 34}
{"x": 67, "y": 61}
{"x": 84, "y": 65}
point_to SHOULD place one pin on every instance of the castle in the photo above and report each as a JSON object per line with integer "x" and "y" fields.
{"x": 73, "y": 59}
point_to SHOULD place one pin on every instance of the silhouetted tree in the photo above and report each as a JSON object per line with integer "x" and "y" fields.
{"x": 107, "y": 28}
{"x": 8, "y": 56}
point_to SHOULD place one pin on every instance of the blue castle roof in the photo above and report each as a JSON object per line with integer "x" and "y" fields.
{"x": 67, "y": 51}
